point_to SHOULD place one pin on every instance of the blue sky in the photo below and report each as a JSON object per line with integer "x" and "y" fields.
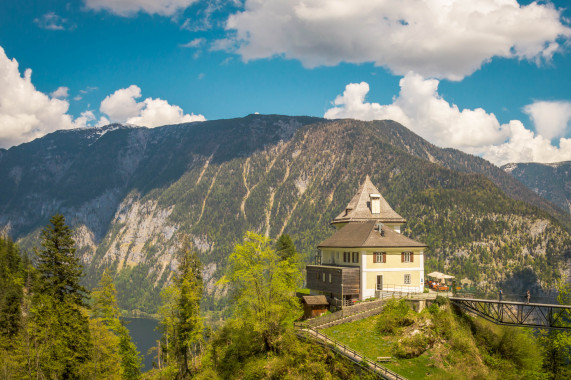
{"x": 489, "y": 77}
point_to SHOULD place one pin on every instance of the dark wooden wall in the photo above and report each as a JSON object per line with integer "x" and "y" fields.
{"x": 347, "y": 276}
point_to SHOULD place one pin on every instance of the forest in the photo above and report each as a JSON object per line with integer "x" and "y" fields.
{"x": 51, "y": 327}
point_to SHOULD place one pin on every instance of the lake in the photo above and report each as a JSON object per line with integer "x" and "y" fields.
{"x": 144, "y": 336}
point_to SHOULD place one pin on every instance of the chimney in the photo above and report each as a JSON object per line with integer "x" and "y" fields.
{"x": 375, "y": 203}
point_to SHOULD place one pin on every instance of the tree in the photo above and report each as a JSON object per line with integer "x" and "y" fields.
{"x": 285, "y": 248}
{"x": 557, "y": 343}
{"x": 189, "y": 323}
{"x": 181, "y": 322}
{"x": 58, "y": 332}
{"x": 59, "y": 268}
{"x": 105, "y": 309}
{"x": 11, "y": 288}
{"x": 263, "y": 287}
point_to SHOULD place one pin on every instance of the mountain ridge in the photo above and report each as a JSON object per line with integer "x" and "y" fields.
{"x": 134, "y": 192}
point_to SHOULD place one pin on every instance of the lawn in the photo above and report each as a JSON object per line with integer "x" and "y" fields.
{"x": 362, "y": 337}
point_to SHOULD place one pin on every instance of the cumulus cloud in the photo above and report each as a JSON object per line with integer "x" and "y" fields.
{"x": 122, "y": 106}
{"x": 420, "y": 108}
{"x": 26, "y": 113}
{"x": 51, "y": 21}
{"x": 60, "y": 93}
{"x": 131, "y": 7}
{"x": 551, "y": 119}
{"x": 443, "y": 39}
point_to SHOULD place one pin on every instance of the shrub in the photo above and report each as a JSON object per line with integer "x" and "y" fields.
{"x": 395, "y": 314}
{"x": 411, "y": 347}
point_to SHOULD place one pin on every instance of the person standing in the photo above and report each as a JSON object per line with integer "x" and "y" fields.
{"x": 527, "y": 296}
{"x": 501, "y": 295}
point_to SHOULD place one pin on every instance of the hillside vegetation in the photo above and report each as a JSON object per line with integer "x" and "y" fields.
{"x": 444, "y": 343}
{"x": 132, "y": 193}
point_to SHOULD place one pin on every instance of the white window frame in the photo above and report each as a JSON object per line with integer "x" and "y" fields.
{"x": 407, "y": 279}
{"x": 407, "y": 257}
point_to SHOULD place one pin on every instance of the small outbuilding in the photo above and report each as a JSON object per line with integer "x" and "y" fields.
{"x": 314, "y": 306}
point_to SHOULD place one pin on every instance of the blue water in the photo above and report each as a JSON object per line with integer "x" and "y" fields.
{"x": 145, "y": 337}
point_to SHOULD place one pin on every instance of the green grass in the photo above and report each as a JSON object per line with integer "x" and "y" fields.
{"x": 302, "y": 291}
{"x": 362, "y": 337}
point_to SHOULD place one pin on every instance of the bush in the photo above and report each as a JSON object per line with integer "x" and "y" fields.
{"x": 439, "y": 300}
{"x": 395, "y": 314}
{"x": 411, "y": 347}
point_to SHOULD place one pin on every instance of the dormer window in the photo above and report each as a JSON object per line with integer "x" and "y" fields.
{"x": 375, "y": 203}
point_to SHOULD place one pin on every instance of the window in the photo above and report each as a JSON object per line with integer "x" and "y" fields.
{"x": 355, "y": 257}
{"x": 330, "y": 278}
{"x": 337, "y": 255}
{"x": 379, "y": 257}
{"x": 317, "y": 275}
{"x": 346, "y": 257}
{"x": 407, "y": 257}
{"x": 407, "y": 278}
{"x": 323, "y": 277}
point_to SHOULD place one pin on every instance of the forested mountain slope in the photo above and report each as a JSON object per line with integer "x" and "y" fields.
{"x": 132, "y": 193}
{"x": 550, "y": 181}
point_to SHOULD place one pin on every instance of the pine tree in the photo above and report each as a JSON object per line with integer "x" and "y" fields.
{"x": 105, "y": 309}
{"x": 11, "y": 288}
{"x": 285, "y": 248}
{"x": 189, "y": 324}
{"x": 59, "y": 268}
{"x": 59, "y": 328}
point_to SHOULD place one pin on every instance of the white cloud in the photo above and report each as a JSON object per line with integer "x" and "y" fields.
{"x": 83, "y": 120}
{"x": 551, "y": 119}
{"x": 445, "y": 39}
{"x": 121, "y": 106}
{"x": 60, "y": 93}
{"x": 420, "y": 108}
{"x": 26, "y": 113}
{"x": 196, "y": 43}
{"x": 52, "y": 21}
{"x": 131, "y": 7}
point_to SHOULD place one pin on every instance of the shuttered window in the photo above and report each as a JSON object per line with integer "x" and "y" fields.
{"x": 355, "y": 257}
{"x": 379, "y": 257}
{"x": 406, "y": 257}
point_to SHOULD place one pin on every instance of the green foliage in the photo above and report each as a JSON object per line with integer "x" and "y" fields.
{"x": 12, "y": 274}
{"x": 412, "y": 346}
{"x": 58, "y": 330}
{"x": 263, "y": 288}
{"x": 181, "y": 322}
{"x": 189, "y": 324}
{"x": 395, "y": 314}
{"x": 285, "y": 248}
{"x": 106, "y": 311}
{"x": 59, "y": 268}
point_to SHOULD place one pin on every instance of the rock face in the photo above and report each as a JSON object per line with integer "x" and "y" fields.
{"x": 133, "y": 193}
{"x": 550, "y": 181}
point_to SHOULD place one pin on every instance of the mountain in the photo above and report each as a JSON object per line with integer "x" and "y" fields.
{"x": 131, "y": 194}
{"x": 550, "y": 181}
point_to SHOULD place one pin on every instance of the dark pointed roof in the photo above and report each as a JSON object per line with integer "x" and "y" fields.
{"x": 358, "y": 210}
{"x": 365, "y": 235}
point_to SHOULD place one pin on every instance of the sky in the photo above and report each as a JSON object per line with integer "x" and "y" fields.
{"x": 488, "y": 77}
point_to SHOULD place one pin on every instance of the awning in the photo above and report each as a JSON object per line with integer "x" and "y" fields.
{"x": 439, "y": 275}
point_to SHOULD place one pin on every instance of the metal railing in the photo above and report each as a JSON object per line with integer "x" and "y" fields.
{"x": 512, "y": 297}
{"x": 365, "y": 308}
{"x": 351, "y": 354}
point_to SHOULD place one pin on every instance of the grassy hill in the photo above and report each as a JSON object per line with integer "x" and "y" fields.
{"x": 443, "y": 343}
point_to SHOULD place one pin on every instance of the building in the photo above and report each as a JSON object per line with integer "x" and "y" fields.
{"x": 367, "y": 253}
